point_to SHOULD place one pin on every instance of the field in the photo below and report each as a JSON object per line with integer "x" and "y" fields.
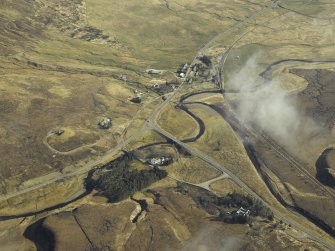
{"x": 221, "y": 143}
{"x": 225, "y": 186}
{"x": 67, "y": 65}
{"x": 192, "y": 170}
{"x": 47, "y": 197}
{"x": 175, "y": 221}
{"x": 184, "y": 127}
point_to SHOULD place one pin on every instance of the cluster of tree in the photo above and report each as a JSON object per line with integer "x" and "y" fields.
{"x": 261, "y": 210}
{"x": 181, "y": 188}
{"x": 234, "y": 218}
{"x": 118, "y": 181}
{"x": 228, "y": 205}
{"x": 181, "y": 150}
{"x": 235, "y": 200}
{"x": 205, "y": 59}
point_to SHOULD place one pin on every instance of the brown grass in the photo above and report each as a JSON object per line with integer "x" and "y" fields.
{"x": 225, "y": 186}
{"x": 177, "y": 122}
{"x": 72, "y": 139}
{"x": 193, "y": 170}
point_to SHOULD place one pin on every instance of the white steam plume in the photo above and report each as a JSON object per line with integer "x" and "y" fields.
{"x": 208, "y": 239}
{"x": 271, "y": 108}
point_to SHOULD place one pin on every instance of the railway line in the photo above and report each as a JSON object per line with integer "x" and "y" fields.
{"x": 294, "y": 163}
{"x": 144, "y": 128}
{"x": 150, "y": 124}
{"x": 212, "y": 162}
{"x": 245, "y": 133}
{"x": 260, "y": 134}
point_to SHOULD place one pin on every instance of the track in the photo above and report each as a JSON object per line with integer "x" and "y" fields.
{"x": 220, "y": 167}
{"x": 55, "y": 151}
{"x": 150, "y": 124}
{"x": 211, "y": 161}
{"x": 79, "y": 171}
{"x": 120, "y": 146}
{"x": 244, "y": 135}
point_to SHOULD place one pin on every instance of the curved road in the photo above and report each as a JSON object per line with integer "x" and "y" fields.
{"x": 150, "y": 124}
{"x": 113, "y": 151}
{"x": 211, "y": 161}
{"x": 82, "y": 170}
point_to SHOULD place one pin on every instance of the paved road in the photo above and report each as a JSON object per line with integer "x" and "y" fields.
{"x": 150, "y": 124}
{"x": 213, "y": 162}
{"x": 113, "y": 151}
{"x": 205, "y": 185}
{"x": 79, "y": 171}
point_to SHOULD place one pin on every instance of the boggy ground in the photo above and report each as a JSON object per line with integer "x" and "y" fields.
{"x": 68, "y": 64}
{"x": 174, "y": 219}
{"x": 316, "y": 102}
{"x": 298, "y": 179}
{"x": 62, "y": 62}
